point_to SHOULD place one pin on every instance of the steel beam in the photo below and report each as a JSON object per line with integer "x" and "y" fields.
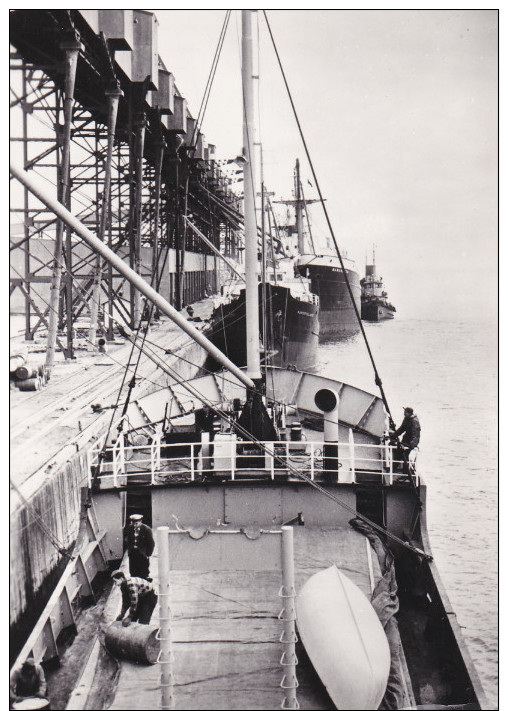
{"x": 113, "y": 101}
{"x": 72, "y": 50}
{"x": 137, "y": 281}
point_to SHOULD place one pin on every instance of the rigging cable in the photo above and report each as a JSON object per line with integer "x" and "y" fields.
{"x": 298, "y": 474}
{"x": 350, "y": 291}
{"x": 157, "y": 277}
{"x": 40, "y": 523}
{"x": 211, "y": 77}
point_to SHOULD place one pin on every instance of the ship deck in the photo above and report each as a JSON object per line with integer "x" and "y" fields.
{"x": 45, "y": 421}
{"x": 226, "y": 630}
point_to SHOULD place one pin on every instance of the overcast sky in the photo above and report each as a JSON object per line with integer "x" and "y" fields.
{"x": 399, "y": 109}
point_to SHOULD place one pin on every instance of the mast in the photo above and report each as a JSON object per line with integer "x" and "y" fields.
{"x": 251, "y": 240}
{"x": 299, "y": 209}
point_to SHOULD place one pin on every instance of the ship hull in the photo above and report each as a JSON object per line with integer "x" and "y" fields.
{"x": 293, "y": 325}
{"x": 336, "y": 310}
{"x": 376, "y": 311}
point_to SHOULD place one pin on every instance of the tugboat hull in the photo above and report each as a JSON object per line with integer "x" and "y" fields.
{"x": 376, "y": 311}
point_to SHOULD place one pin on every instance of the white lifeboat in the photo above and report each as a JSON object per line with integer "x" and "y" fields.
{"x": 344, "y": 640}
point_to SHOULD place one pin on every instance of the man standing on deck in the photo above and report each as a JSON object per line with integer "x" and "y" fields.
{"x": 138, "y": 539}
{"x": 410, "y": 428}
{"x": 138, "y": 596}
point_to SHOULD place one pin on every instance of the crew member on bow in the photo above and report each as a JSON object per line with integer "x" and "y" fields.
{"x": 138, "y": 540}
{"x": 410, "y": 429}
{"x": 138, "y": 597}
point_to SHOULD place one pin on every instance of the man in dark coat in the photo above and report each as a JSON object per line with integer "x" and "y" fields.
{"x": 138, "y": 540}
{"x": 410, "y": 429}
{"x": 28, "y": 681}
{"x": 138, "y": 596}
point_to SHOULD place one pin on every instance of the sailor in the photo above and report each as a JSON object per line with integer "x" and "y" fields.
{"x": 138, "y": 539}
{"x": 28, "y": 681}
{"x": 410, "y": 428}
{"x": 138, "y": 597}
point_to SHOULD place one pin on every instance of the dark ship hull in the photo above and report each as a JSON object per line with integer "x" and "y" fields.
{"x": 377, "y": 310}
{"x": 336, "y": 311}
{"x": 292, "y": 324}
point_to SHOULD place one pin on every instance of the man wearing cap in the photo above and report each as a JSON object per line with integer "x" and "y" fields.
{"x": 28, "y": 681}
{"x": 138, "y": 539}
{"x": 410, "y": 428}
{"x": 138, "y": 596}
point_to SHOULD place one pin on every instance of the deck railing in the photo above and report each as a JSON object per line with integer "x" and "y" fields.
{"x": 157, "y": 462}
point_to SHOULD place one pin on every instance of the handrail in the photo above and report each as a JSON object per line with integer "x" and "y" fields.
{"x": 233, "y": 456}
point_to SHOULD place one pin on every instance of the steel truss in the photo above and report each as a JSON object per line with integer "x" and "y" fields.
{"x": 93, "y": 136}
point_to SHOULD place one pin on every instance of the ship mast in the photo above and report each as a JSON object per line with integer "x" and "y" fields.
{"x": 251, "y": 240}
{"x": 299, "y": 209}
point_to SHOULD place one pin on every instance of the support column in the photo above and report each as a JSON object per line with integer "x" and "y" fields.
{"x": 72, "y": 49}
{"x": 160, "y": 147}
{"x": 165, "y": 655}
{"x": 26, "y": 224}
{"x": 288, "y": 638}
{"x": 136, "y": 231}
{"x": 113, "y": 101}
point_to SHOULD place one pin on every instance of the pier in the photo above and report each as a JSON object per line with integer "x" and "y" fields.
{"x": 98, "y": 120}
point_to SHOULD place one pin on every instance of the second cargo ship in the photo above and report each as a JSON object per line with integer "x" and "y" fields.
{"x": 337, "y": 316}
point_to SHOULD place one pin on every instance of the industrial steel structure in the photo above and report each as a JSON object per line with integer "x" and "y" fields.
{"x": 96, "y": 114}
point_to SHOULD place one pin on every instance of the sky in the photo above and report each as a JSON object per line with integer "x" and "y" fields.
{"x": 399, "y": 110}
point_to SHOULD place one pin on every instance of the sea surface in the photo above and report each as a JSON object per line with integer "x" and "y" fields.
{"x": 446, "y": 371}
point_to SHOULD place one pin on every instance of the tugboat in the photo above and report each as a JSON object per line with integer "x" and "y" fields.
{"x": 375, "y": 304}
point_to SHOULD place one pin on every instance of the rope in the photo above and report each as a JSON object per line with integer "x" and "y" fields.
{"x": 38, "y": 520}
{"x": 211, "y": 77}
{"x": 298, "y": 474}
{"x": 350, "y": 291}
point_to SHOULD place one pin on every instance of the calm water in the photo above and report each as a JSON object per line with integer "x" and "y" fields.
{"x": 448, "y": 373}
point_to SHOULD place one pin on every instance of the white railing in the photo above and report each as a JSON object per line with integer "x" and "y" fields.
{"x": 157, "y": 462}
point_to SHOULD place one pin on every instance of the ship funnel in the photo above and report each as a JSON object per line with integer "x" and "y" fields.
{"x": 327, "y": 401}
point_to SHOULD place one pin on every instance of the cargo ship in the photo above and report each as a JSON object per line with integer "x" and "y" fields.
{"x": 375, "y": 304}
{"x": 337, "y": 316}
{"x": 289, "y": 321}
{"x": 328, "y": 281}
{"x": 285, "y": 515}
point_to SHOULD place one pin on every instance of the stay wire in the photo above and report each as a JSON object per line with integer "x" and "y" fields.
{"x": 298, "y": 474}
{"x": 348, "y": 285}
{"x": 150, "y": 350}
{"x": 55, "y": 542}
{"x": 211, "y": 77}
